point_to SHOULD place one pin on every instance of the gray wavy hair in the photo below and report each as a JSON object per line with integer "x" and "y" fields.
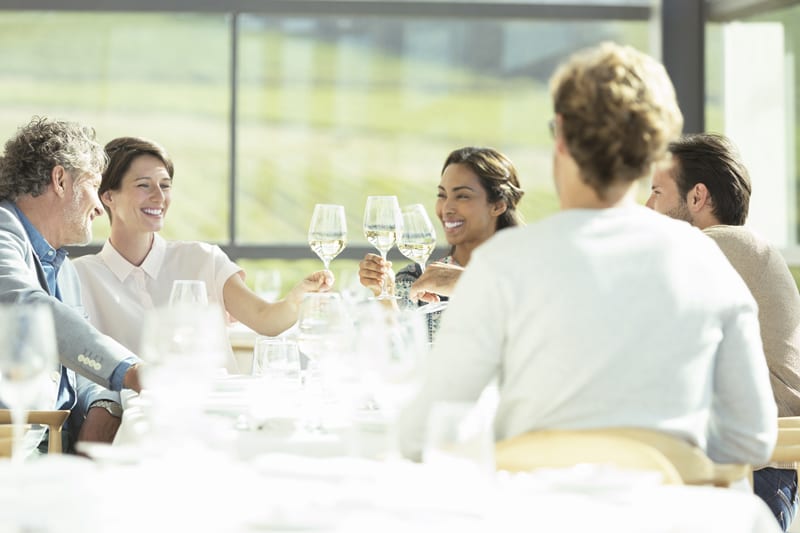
{"x": 40, "y": 146}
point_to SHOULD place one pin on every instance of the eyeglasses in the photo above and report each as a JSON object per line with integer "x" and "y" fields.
{"x": 551, "y": 124}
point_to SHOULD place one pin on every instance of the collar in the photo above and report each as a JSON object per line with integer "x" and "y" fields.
{"x": 122, "y": 268}
{"x": 46, "y": 253}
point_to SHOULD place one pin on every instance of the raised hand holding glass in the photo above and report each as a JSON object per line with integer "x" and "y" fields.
{"x": 381, "y": 223}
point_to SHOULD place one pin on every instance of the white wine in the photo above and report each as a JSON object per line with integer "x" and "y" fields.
{"x": 417, "y": 251}
{"x": 382, "y": 239}
{"x": 327, "y": 249}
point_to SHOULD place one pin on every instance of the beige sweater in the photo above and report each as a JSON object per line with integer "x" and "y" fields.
{"x": 765, "y": 272}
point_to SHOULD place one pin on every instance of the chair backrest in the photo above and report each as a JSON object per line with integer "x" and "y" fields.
{"x": 54, "y": 420}
{"x": 631, "y": 448}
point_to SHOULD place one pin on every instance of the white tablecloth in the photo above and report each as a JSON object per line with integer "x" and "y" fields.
{"x": 199, "y": 491}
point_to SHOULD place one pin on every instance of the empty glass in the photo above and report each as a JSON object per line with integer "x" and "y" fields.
{"x": 185, "y": 347}
{"x": 459, "y": 439}
{"x": 189, "y": 292}
{"x": 268, "y": 284}
{"x": 28, "y": 358}
{"x": 276, "y": 358}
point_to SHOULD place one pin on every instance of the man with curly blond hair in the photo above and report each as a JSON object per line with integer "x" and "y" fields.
{"x": 606, "y": 314}
{"x": 49, "y": 174}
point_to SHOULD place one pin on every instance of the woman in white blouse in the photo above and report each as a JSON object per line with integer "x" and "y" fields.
{"x": 136, "y": 267}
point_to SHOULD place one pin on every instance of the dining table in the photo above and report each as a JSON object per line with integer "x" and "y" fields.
{"x": 263, "y": 453}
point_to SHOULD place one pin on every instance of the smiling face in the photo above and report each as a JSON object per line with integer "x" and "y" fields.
{"x": 462, "y": 205}
{"x": 80, "y": 208}
{"x": 665, "y": 197}
{"x": 142, "y": 200}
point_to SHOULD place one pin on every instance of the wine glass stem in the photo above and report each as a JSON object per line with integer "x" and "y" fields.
{"x": 18, "y": 418}
{"x": 421, "y": 267}
{"x": 327, "y": 264}
{"x": 383, "y": 294}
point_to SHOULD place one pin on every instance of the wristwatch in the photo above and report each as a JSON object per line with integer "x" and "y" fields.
{"x": 113, "y": 408}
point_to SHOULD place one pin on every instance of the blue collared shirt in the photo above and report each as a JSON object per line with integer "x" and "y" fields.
{"x": 51, "y": 261}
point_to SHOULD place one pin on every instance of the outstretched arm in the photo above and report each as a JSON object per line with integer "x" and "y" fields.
{"x": 271, "y": 318}
{"x": 439, "y": 279}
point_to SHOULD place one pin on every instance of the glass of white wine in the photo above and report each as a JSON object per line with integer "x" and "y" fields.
{"x": 417, "y": 237}
{"x": 327, "y": 233}
{"x": 382, "y": 221}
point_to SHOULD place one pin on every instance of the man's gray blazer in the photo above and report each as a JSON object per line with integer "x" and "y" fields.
{"x": 81, "y": 347}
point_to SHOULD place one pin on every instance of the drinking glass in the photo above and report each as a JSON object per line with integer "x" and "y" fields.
{"x": 459, "y": 439}
{"x": 382, "y": 221}
{"x": 268, "y": 284}
{"x": 189, "y": 292}
{"x": 184, "y": 346}
{"x": 327, "y": 233}
{"x": 28, "y": 357}
{"x": 276, "y": 358}
{"x": 323, "y": 325}
{"x": 417, "y": 237}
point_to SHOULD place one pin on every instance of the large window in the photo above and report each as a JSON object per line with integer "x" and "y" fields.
{"x": 266, "y": 114}
{"x": 163, "y": 77}
{"x": 334, "y": 109}
{"x": 751, "y": 96}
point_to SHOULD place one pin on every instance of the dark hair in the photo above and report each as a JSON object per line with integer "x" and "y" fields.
{"x": 618, "y": 110}
{"x": 498, "y": 178}
{"x": 41, "y": 145}
{"x": 121, "y": 153}
{"x": 712, "y": 160}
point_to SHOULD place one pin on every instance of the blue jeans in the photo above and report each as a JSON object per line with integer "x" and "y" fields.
{"x": 778, "y": 488}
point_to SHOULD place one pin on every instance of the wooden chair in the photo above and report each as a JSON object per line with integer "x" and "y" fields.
{"x": 54, "y": 420}
{"x": 678, "y": 461}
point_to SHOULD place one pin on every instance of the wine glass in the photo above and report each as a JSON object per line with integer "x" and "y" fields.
{"x": 381, "y": 223}
{"x": 188, "y": 292}
{"x": 417, "y": 237}
{"x": 28, "y": 357}
{"x": 323, "y": 330}
{"x": 327, "y": 233}
{"x": 268, "y": 284}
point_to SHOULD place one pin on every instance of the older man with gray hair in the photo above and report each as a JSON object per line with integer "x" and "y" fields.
{"x": 49, "y": 174}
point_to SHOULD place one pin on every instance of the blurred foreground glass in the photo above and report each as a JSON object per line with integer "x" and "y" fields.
{"x": 382, "y": 221}
{"x": 391, "y": 347}
{"x": 459, "y": 439}
{"x": 185, "y": 348}
{"x": 276, "y": 359}
{"x": 417, "y": 236}
{"x": 323, "y": 327}
{"x": 188, "y": 292}
{"x": 268, "y": 284}
{"x": 28, "y": 357}
{"x": 327, "y": 233}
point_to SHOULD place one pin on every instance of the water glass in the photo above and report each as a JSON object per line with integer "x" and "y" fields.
{"x": 268, "y": 284}
{"x": 189, "y": 292}
{"x": 459, "y": 439}
{"x": 276, "y": 358}
{"x": 28, "y": 360}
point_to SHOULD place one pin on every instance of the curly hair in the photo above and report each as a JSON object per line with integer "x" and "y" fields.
{"x": 618, "y": 113}
{"x": 40, "y": 146}
{"x": 497, "y": 176}
{"x": 122, "y": 151}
